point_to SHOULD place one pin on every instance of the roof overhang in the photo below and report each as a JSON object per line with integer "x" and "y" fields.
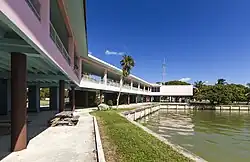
{"x": 76, "y": 12}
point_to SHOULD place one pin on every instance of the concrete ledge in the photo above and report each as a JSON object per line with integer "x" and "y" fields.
{"x": 175, "y": 147}
{"x": 98, "y": 142}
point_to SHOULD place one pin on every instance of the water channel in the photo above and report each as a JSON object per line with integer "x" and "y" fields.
{"x": 216, "y": 136}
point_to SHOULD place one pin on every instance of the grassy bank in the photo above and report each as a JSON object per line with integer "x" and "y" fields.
{"x": 125, "y": 142}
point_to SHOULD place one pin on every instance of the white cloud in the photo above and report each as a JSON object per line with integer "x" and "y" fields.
{"x": 107, "y": 52}
{"x": 185, "y": 79}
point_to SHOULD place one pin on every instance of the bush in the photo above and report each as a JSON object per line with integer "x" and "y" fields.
{"x": 110, "y": 103}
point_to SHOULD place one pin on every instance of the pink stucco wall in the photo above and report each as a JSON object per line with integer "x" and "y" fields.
{"x": 24, "y": 19}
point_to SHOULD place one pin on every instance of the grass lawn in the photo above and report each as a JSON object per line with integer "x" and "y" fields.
{"x": 124, "y": 142}
{"x": 44, "y": 102}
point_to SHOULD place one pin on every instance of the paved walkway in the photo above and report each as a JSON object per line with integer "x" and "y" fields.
{"x": 61, "y": 144}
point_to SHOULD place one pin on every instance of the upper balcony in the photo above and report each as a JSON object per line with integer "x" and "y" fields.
{"x": 95, "y": 82}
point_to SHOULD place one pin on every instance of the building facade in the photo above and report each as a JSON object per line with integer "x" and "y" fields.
{"x": 43, "y": 43}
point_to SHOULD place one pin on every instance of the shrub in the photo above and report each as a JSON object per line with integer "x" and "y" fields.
{"x": 110, "y": 103}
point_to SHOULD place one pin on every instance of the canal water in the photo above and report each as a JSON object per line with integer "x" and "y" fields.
{"x": 216, "y": 136}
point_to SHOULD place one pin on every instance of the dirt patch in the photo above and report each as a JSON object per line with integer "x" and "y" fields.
{"x": 111, "y": 155}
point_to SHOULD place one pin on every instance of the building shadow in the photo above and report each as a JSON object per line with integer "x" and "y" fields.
{"x": 37, "y": 123}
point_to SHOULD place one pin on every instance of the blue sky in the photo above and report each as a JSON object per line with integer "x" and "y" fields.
{"x": 200, "y": 39}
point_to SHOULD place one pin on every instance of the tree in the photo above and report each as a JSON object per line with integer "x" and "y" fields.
{"x": 44, "y": 93}
{"x": 221, "y": 81}
{"x": 199, "y": 84}
{"x": 127, "y": 63}
{"x": 176, "y": 82}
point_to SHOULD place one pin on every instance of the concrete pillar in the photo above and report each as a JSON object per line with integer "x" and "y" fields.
{"x": 136, "y": 99}
{"x": 54, "y": 98}
{"x": 18, "y": 101}
{"x": 61, "y": 95}
{"x": 144, "y": 88}
{"x": 131, "y": 84}
{"x": 45, "y": 15}
{"x": 128, "y": 99}
{"x": 86, "y": 99}
{"x": 4, "y": 97}
{"x": 34, "y": 98}
{"x": 73, "y": 101}
{"x": 138, "y": 86}
{"x": 105, "y": 77}
{"x": 71, "y": 51}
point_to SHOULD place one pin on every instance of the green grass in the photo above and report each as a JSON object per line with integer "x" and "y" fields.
{"x": 125, "y": 142}
{"x": 44, "y": 102}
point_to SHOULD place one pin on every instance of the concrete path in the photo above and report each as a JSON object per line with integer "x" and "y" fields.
{"x": 61, "y": 144}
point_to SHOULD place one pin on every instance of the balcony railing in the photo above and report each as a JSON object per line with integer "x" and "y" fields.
{"x": 35, "y": 7}
{"x": 113, "y": 83}
{"x": 109, "y": 82}
{"x": 127, "y": 86}
{"x": 55, "y": 37}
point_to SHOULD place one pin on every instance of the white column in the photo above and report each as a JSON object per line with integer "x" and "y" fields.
{"x": 131, "y": 84}
{"x": 45, "y": 15}
{"x": 71, "y": 51}
{"x": 121, "y": 81}
{"x": 144, "y": 88}
{"x": 105, "y": 77}
{"x": 138, "y": 86}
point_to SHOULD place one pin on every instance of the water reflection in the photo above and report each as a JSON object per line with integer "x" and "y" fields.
{"x": 214, "y": 135}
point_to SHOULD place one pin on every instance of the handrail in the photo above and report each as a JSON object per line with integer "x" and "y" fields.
{"x": 35, "y": 7}
{"x": 55, "y": 37}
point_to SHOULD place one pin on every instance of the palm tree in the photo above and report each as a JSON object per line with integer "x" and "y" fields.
{"x": 221, "y": 81}
{"x": 127, "y": 63}
{"x": 199, "y": 84}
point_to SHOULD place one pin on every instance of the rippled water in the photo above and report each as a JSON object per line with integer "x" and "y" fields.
{"x": 213, "y": 135}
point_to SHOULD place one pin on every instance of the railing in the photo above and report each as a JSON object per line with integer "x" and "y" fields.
{"x": 126, "y": 86}
{"x": 109, "y": 82}
{"x": 113, "y": 83}
{"x": 35, "y": 7}
{"x": 89, "y": 78}
{"x": 55, "y": 37}
{"x": 134, "y": 88}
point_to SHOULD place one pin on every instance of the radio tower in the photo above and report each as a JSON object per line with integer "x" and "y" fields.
{"x": 164, "y": 71}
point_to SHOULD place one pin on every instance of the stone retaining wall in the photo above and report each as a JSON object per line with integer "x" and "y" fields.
{"x": 141, "y": 112}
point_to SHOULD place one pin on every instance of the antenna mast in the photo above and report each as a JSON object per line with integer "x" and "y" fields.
{"x": 164, "y": 71}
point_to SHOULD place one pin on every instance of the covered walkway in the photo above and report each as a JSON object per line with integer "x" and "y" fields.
{"x": 62, "y": 144}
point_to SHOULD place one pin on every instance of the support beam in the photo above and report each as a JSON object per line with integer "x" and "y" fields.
{"x": 86, "y": 99}
{"x": 18, "y": 102}
{"x": 8, "y": 45}
{"x": 4, "y": 96}
{"x": 128, "y": 99}
{"x": 54, "y": 98}
{"x": 36, "y": 76}
{"x": 73, "y": 101}
{"x": 61, "y": 95}
{"x": 34, "y": 98}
